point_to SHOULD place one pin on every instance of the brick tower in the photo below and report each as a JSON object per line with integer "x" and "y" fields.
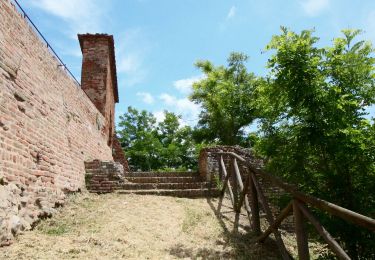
{"x": 98, "y": 78}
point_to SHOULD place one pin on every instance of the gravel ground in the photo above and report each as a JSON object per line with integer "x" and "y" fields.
{"x": 114, "y": 226}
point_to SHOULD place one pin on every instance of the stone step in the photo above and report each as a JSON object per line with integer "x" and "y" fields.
{"x": 162, "y": 186}
{"x": 188, "y": 193}
{"x": 163, "y": 174}
{"x": 163, "y": 179}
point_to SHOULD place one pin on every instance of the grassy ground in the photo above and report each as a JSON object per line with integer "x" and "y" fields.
{"x": 138, "y": 227}
{"x": 114, "y": 226}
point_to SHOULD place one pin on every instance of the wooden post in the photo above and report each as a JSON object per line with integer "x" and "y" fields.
{"x": 302, "y": 242}
{"x": 235, "y": 183}
{"x": 254, "y": 208}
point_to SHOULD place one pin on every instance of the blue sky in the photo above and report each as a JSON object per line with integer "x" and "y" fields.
{"x": 158, "y": 42}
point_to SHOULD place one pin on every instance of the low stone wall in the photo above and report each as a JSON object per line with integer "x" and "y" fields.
{"x": 104, "y": 176}
{"x": 209, "y": 162}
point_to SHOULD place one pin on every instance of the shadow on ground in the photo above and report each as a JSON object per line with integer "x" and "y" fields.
{"x": 233, "y": 244}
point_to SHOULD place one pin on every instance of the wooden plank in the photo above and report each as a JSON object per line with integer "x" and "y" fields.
{"x": 255, "y": 219}
{"x": 302, "y": 242}
{"x": 279, "y": 241}
{"x": 284, "y": 213}
{"x": 229, "y": 185}
{"x": 233, "y": 155}
{"x": 238, "y": 174}
{"x": 244, "y": 192}
{"x": 235, "y": 183}
{"x": 332, "y": 244}
{"x": 244, "y": 199}
{"x": 226, "y": 184}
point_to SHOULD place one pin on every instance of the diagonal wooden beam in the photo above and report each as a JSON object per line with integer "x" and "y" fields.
{"x": 226, "y": 185}
{"x": 279, "y": 241}
{"x": 284, "y": 213}
{"x": 332, "y": 244}
{"x": 244, "y": 199}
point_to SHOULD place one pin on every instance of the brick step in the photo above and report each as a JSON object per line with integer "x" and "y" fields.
{"x": 189, "y": 193}
{"x": 162, "y": 186}
{"x": 163, "y": 174}
{"x": 163, "y": 179}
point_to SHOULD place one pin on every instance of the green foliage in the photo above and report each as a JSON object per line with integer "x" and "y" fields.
{"x": 56, "y": 229}
{"x": 152, "y": 146}
{"x": 138, "y": 135}
{"x": 313, "y": 125}
{"x": 218, "y": 183}
{"x": 226, "y": 97}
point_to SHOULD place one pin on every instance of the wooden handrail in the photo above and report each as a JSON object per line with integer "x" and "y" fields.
{"x": 321, "y": 204}
{"x": 297, "y": 205}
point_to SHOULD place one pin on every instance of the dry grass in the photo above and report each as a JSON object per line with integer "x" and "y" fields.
{"x": 139, "y": 227}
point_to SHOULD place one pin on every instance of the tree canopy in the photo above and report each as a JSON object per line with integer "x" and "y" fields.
{"x": 313, "y": 128}
{"x": 156, "y": 146}
{"x": 226, "y": 97}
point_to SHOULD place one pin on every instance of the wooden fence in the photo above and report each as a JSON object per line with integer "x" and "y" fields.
{"x": 247, "y": 192}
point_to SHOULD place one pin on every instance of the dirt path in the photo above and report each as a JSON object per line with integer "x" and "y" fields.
{"x": 138, "y": 227}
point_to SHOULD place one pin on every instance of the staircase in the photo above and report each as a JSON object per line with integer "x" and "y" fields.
{"x": 178, "y": 184}
{"x": 108, "y": 176}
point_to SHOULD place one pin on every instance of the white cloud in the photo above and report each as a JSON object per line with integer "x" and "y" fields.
{"x": 131, "y": 49}
{"x": 182, "y": 106}
{"x": 159, "y": 115}
{"x": 146, "y": 97}
{"x": 232, "y": 12}
{"x": 185, "y": 85}
{"x": 83, "y": 16}
{"x": 315, "y": 7}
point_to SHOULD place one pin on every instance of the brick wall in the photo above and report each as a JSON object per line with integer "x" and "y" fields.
{"x": 104, "y": 177}
{"x": 119, "y": 155}
{"x": 99, "y": 79}
{"x": 48, "y": 127}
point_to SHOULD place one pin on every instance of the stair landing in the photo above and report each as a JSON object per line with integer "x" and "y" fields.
{"x": 107, "y": 177}
{"x": 178, "y": 184}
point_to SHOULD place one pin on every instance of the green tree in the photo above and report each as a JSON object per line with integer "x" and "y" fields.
{"x": 226, "y": 96}
{"x": 138, "y": 136}
{"x": 156, "y": 146}
{"x": 315, "y": 132}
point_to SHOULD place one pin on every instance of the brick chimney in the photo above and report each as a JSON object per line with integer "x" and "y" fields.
{"x": 98, "y": 78}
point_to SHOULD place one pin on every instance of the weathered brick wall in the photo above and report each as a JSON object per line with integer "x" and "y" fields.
{"x": 99, "y": 80}
{"x": 48, "y": 128}
{"x": 104, "y": 176}
{"x": 208, "y": 161}
{"x": 119, "y": 155}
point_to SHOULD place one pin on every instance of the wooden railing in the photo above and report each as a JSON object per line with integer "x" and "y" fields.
{"x": 247, "y": 187}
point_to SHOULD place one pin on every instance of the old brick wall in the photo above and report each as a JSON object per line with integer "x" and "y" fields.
{"x": 104, "y": 176}
{"x": 119, "y": 155}
{"x": 48, "y": 128}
